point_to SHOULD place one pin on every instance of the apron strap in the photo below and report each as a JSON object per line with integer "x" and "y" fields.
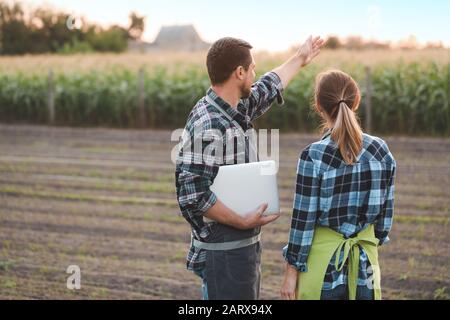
{"x": 214, "y": 104}
{"x": 252, "y": 146}
{"x": 327, "y": 242}
{"x": 352, "y": 254}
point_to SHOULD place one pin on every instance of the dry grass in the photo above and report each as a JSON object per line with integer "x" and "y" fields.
{"x": 133, "y": 61}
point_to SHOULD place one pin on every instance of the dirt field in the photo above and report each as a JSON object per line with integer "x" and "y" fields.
{"x": 105, "y": 200}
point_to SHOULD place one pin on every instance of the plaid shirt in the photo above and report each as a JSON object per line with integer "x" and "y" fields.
{"x": 345, "y": 198}
{"x": 193, "y": 178}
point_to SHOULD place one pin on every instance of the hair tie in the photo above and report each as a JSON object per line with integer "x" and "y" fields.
{"x": 339, "y": 103}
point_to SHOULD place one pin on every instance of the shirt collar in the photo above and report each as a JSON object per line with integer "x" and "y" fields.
{"x": 326, "y": 134}
{"x": 232, "y": 112}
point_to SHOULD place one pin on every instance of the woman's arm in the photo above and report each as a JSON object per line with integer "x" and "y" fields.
{"x": 383, "y": 224}
{"x": 304, "y": 213}
{"x": 304, "y": 217}
{"x": 289, "y": 287}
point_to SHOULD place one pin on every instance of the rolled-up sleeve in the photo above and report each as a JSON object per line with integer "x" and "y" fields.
{"x": 195, "y": 196}
{"x": 384, "y": 222}
{"x": 304, "y": 216}
{"x": 194, "y": 176}
{"x": 263, "y": 93}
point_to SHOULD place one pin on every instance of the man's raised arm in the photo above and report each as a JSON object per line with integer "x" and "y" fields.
{"x": 301, "y": 58}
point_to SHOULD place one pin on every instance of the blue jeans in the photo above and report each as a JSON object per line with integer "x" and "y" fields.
{"x": 231, "y": 274}
{"x": 341, "y": 293}
{"x": 201, "y": 274}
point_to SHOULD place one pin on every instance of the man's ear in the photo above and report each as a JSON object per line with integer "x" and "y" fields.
{"x": 240, "y": 73}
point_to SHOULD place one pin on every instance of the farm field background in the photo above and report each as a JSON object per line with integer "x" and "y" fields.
{"x": 86, "y": 62}
{"x": 410, "y": 89}
{"x": 104, "y": 199}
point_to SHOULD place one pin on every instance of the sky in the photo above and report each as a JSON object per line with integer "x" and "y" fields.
{"x": 276, "y": 25}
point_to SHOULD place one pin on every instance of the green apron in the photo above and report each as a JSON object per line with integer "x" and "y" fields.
{"x": 325, "y": 243}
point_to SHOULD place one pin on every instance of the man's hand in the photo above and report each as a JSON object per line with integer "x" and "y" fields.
{"x": 222, "y": 214}
{"x": 304, "y": 55}
{"x": 310, "y": 49}
{"x": 289, "y": 287}
{"x": 257, "y": 219}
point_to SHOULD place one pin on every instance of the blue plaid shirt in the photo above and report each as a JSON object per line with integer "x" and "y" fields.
{"x": 345, "y": 198}
{"x": 193, "y": 178}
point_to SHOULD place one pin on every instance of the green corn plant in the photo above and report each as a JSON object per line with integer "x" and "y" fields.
{"x": 408, "y": 98}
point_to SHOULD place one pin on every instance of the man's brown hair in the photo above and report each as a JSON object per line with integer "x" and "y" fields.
{"x": 224, "y": 56}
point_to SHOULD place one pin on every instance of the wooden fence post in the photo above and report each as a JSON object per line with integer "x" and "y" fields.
{"x": 51, "y": 98}
{"x": 141, "y": 98}
{"x": 368, "y": 100}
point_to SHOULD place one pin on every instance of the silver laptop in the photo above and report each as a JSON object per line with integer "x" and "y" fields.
{"x": 244, "y": 187}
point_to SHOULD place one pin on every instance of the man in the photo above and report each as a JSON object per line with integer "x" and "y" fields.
{"x": 225, "y": 250}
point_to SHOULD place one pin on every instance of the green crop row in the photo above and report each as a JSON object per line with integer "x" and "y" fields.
{"x": 408, "y": 98}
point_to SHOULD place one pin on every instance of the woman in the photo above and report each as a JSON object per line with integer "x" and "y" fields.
{"x": 343, "y": 204}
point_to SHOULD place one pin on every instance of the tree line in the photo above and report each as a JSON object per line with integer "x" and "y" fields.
{"x": 46, "y": 30}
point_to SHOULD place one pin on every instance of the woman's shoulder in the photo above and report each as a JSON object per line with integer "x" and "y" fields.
{"x": 326, "y": 152}
{"x": 323, "y": 151}
{"x": 374, "y": 139}
{"x": 377, "y": 148}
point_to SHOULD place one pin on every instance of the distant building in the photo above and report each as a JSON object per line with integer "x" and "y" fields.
{"x": 172, "y": 38}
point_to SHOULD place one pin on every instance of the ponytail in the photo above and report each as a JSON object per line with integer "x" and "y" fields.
{"x": 347, "y": 133}
{"x": 337, "y": 98}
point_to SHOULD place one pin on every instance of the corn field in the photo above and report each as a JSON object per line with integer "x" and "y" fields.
{"x": 104, "y": 199}
{"x": 408, "y": 97}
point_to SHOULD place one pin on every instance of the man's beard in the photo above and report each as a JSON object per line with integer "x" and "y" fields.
{"x": 245, "y": 92}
